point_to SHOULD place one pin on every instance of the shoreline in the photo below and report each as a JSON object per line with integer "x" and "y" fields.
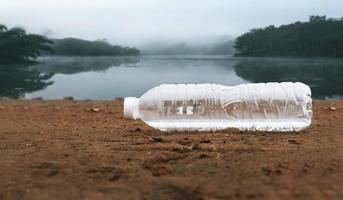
{"x": 69, "y": 149}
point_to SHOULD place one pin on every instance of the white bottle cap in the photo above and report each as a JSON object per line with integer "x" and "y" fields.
{"x": 131, "y": 107}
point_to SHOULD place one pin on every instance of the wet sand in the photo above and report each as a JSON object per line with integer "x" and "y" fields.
{"x": 67, "y": 149}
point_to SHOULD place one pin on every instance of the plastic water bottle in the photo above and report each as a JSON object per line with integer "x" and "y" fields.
{"x": 210, "y": 107}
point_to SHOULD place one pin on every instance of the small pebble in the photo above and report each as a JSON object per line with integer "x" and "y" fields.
{"x": 157, "y": 139}
{"x": 264, "y": 149}
{"x": 332, "y": 108}
{"x": 292, "y": 141}
{"x": 213, "y": 147}
{"x": 95, "y": 109}
{"x": 68, "y": 98}
{"x": 202, "y": 156}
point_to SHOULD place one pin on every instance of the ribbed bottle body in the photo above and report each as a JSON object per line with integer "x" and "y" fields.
{"x": 210, "y": 107}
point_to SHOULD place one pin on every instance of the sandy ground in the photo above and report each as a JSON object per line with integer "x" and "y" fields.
{"x": 69, "y": 149}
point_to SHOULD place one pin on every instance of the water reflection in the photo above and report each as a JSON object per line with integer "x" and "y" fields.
{"x": 111, "y": 77}
{"x": 324, "y": 76}
{"x": 134, "y": 79}
{"x": 73, "y": 65}
{"x": 16, "y": 80}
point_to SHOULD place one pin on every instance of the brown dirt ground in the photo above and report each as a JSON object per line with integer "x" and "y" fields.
{"x": 67, "y": 149}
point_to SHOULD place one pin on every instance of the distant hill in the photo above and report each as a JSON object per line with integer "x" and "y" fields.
{"x": 218, "y": 48}
{"x": 79, "y": 47}
{"x": 319, "y": 37}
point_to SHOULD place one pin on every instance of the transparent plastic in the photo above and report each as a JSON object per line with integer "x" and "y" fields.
{"x": 210, "y": 107}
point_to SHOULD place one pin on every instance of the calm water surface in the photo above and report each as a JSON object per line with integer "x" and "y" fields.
{"x": 112, "y": 77}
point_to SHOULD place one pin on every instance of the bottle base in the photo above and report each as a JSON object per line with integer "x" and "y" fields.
{"x": 247, "y": 125}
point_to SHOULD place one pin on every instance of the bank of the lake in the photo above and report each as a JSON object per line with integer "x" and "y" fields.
{"x": 71, "y": 149}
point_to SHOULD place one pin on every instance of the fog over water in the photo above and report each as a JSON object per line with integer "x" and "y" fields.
{"x": 143, "y": 22}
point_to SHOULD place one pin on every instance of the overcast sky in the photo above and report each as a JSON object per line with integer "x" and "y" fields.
{"x": 138, "y": 22}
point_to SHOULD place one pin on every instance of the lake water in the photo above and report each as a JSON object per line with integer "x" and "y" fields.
{"x": 112, "y": 77}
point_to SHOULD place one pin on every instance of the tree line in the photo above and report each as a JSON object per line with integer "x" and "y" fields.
{"x": 319, "y": 37}
{"x": 78, "y": 47}
{"x": 17, "y": 47}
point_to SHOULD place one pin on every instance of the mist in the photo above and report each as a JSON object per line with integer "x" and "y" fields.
{"x": 157, "y": 22}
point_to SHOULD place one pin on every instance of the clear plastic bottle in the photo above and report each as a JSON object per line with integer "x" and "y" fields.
{"x": 210, "y": 107}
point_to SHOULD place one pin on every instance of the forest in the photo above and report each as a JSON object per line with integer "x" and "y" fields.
{"x": 79, "y": 47}
{"x": 19, "y": 47}
{"x": 318, "y": 37}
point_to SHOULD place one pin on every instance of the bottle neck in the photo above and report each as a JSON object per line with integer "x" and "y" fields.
{"x": 131, "y": 110}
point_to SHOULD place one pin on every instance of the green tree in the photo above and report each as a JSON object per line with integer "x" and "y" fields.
{"x": 16, "y": 46}
{"x": 319, "y": 37}
{"x": 79, "y": 47}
